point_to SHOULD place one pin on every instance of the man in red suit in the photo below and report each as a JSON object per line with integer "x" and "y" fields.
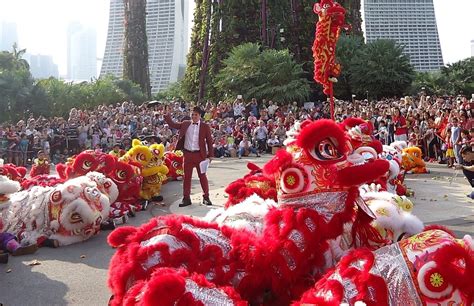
{"x": 195, "y": 140}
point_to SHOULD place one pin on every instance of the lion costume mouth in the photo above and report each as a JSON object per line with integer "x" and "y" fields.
{"x": 4, "y": 198}
{"x": 75, "y": 218}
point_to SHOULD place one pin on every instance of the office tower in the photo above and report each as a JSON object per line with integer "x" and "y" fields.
{"x": 8, "y": 36}
{"x": 167, "y": 34}
{"x": 411, "y": 23}
{"x": 42, "y": 66}
{"x": 81, "y": 52}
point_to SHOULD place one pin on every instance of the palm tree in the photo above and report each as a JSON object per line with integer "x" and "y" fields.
{"x": 18, "y": 56}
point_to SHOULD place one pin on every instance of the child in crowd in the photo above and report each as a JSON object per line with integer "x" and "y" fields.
{"x": 117, "y": 152}
{"x": 449, "y": 149}
{"x": 413, "y": 140}
{"x": 23, "y": 148}
{"x": 40, "y": 165}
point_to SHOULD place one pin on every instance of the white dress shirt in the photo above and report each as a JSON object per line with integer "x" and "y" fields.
{"x": 191, "y": 140}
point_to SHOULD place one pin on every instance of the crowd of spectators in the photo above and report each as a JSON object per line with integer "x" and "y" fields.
{"x": 441, "y": 126}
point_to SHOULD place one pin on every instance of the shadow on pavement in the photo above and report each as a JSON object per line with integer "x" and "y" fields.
{"x": 46, "y": 291}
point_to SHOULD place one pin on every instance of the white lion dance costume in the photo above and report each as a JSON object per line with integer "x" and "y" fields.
{"x": 69, "y": 213}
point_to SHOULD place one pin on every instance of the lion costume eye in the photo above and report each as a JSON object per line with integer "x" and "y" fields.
{"x": 92, "y": 194}
{"x": 87, "y": 165}
{"x": 141, "y": 157}
{"x": 56, "y": 197}
{"x": 326, "y": 150}
{"x": 121, "y": 174}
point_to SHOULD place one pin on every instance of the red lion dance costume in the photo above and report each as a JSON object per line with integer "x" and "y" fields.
{"x": 331, "y": 21}
{"x": 179, "y": 260}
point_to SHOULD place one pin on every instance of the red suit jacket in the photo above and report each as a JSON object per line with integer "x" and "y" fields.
{"x": 205, "y": 137}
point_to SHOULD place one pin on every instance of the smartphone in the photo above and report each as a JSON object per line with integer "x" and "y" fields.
{"x": 239, "y": 97}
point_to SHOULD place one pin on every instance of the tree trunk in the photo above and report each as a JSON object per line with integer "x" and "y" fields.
{"x": 264, "y": 15}
{"x": 135, "y": 53}
{"x": 295, "y": 21}
{"x": 205, "y": 53}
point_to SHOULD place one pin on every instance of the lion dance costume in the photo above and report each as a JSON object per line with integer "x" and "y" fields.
{"x": 298, "y": 231}
{"x": 331, "y": 21}
{"x": 153, "y": 168}
{"x": 288, "y": 256}
{"x": 69, "y": 212}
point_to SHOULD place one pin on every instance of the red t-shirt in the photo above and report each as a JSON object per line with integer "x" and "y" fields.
{"x": 399, "y": 122}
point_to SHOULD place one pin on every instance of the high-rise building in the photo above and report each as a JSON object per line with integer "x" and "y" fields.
{"x": 81, "y": 52}
{"x": 167, "y": 34}
{"x": 8, "y": 35}
{"x": 42, "y": 66}
{"x": 411, "y": 23}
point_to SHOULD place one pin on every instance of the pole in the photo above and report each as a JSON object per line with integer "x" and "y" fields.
{"x": 331, "y": 101}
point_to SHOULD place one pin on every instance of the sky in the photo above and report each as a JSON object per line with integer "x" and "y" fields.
{"x": 42, "y": 25}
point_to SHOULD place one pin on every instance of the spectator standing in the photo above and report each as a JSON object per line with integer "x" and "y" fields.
{"x": 261, "y": 133}
{"x": 400, "y": 124}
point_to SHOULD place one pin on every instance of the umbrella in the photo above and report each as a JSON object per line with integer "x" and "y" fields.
{"x": 153, "y": 103}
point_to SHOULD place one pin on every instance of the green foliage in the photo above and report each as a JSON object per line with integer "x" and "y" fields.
{"x": 453, "y": 79}
{"x": 174, "y": 91}
{"x": 16, "y": 84}
{"x": 269, "y": 74}
{"x": 381, "y": 69}
{"x": 135, "y": 50}
{"x": 21, "y": 95}
{"x": 346, "y": 51}
{"x": 194, "y": 58}
{"x": 460, "y": 77}
{"x": 434, "y": 83}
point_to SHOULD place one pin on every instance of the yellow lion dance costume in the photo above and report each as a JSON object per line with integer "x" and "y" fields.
{"x": 412, "y": 160}
{"x": 154, "y": 171}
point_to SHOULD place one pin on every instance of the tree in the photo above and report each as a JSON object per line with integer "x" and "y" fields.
{"x": 205, "y": 50}
{"x": 382, "y": 69}
{"x": 172, "y": 92}
{"x": 353, "y": 16}
{"x": 346, "y": 51}
{"x": 460, "y": 76}
{"x": 194, "y": 58}
{"x": 135, "y": 53}
{"x": 16, "y": 83}
{"x": 434, "y": 83}
{"x": 267, "y": 74}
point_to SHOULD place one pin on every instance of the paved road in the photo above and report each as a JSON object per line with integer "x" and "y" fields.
{"x": 77, "y": 274}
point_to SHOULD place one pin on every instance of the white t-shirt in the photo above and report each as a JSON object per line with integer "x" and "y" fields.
{"x": 238, "y": 109}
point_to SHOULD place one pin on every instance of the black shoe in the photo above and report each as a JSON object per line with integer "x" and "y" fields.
{"x": 107, "y": 226}
{"x": 206, "y": 201}
{"x": 3, "y": 258}
{"x": 157, "y": 199}
{"x": 185, "y": 202}
{"x": 51, "y": 243}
